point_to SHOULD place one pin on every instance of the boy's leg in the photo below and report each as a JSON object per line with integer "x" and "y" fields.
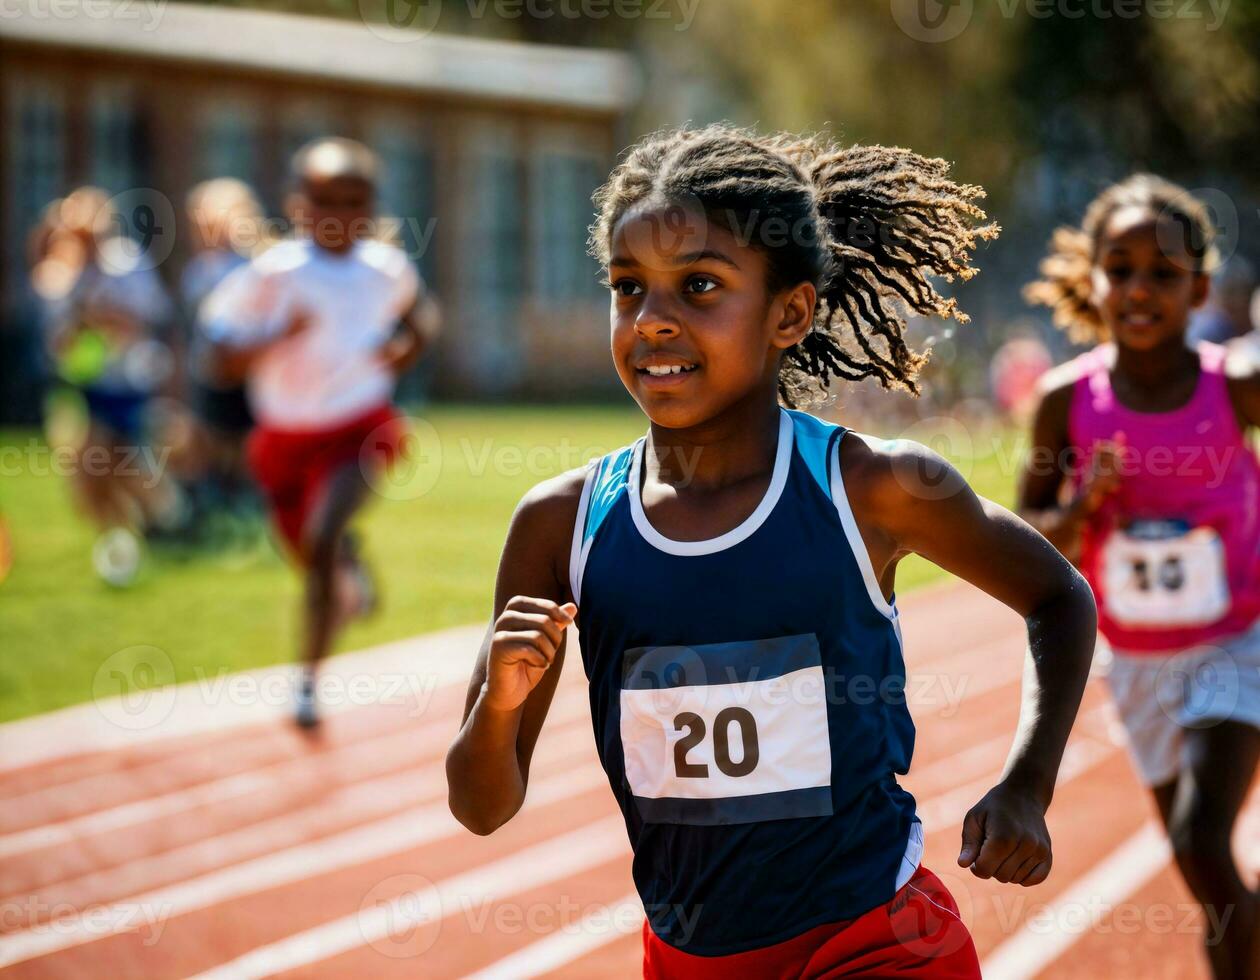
{"x": 1199, "y": 810}
{"x": 342, "y": 493}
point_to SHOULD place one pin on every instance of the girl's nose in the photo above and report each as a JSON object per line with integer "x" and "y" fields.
{"x": 655, "y": 321}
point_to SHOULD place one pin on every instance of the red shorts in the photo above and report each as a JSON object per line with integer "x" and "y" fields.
{"x": 292, "y": 465}
{"x": 917, "y": 934}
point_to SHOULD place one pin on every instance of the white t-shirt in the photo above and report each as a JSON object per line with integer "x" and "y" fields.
{"x": 331, "y": 372}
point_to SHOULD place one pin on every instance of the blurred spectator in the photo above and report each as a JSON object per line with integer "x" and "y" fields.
{"x": 106, "y": 315}
{"x": 1227, "y": 314}
{"x": 1013, "y": 374}
{"x": 226, "y": 229}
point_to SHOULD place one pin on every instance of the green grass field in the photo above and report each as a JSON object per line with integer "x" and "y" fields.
{"x": 434, "y": 542}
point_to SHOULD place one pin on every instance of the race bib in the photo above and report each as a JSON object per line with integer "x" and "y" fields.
{"x": 1161, "y": 574}
{"x": 727, "y": 733}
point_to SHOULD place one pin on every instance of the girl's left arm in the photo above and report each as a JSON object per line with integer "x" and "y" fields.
{"x": 907, "y": 499}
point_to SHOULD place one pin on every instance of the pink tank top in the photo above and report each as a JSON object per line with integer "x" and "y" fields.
{"x": 1174, "y": 555}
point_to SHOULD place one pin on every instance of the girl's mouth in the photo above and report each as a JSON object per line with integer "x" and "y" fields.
{"x": 666, "y": 370}
{"x": 661, "y": 376}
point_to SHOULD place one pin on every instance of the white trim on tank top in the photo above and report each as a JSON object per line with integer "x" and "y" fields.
{"x": 856, "y": 544}
{"x": 742, "y": 531}
{"x": 579, "y": 548}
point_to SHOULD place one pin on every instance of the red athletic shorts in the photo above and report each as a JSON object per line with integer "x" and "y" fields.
{"x": 917, "y": 934}
{"x": 291, "y": 465}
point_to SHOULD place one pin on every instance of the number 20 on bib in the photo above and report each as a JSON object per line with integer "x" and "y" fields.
{"x": 727, "y": 733}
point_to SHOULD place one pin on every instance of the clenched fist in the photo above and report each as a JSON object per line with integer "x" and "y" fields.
{"x": 527, "y": 635}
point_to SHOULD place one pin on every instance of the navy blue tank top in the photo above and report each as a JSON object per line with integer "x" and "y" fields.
{"x": 748, "y": 699}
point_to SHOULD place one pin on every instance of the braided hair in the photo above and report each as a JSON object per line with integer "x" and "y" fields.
{"x": 1066, "y": 283}
{"x": 867, "y": 226}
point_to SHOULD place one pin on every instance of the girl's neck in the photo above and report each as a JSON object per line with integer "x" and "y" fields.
{"x": 1159, "y": 366}
{"x": 736, "y": 445}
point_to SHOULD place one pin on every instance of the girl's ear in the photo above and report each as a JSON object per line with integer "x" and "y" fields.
{"x": 1199, "y": 291}
{"x": 797, "y": 304}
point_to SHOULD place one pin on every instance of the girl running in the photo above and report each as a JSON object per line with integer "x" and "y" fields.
{"x": 1140, "y": 470}
{"x": 733, "y": 571}
{"x": 320, "y": 328}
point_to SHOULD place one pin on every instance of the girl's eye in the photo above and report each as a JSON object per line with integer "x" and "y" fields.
{"x": 701, "y": 284}
{"x": 624, "y": 287}
{"x": 1118, "y": 272}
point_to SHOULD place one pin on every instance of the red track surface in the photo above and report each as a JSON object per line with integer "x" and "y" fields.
{"x": 174, "y": 857}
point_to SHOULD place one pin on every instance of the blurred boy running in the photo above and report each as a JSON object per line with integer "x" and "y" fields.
{"x": 320, "y": 328}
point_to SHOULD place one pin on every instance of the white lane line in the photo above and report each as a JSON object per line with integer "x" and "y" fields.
{"x": 1047, "y": 935}
{"x": 443, "y": 657}
{"x": 213, "y": 704}
{"x": 579, "y": 850}
{"x": 987, "y": 757}
{"x": 381, "y": 838}
{"x": 347, "y": 806}
{"x": 598, "y": 928}
{"x": 1081, "y": 755}
{"x": 948, "y": 809}
{"x": 368, "y": 757}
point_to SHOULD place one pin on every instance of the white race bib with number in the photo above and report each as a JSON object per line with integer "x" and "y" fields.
{"x": 728, "y": 732}
{"x": 1158, "y": 581}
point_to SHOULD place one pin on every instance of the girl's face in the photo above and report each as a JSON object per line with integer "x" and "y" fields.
{"x": 1144, "y": 280}
{"x": 694, "y": 328}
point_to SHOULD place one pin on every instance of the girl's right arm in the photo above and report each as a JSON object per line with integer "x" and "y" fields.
{"x": 1050, "y": 454}
{"x": 514, "y": 680}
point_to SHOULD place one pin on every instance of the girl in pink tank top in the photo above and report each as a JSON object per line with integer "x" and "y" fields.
{"x": 1173, "y": 553}
{"x": 1141, "y": 473}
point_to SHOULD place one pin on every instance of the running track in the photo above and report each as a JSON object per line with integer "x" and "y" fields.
{"x": 202, "y": 836}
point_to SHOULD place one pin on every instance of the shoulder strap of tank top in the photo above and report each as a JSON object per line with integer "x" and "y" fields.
{"x": 853, "y": 535}
{"x": 605, "y": 481}
{"x": 1213, "y": 382}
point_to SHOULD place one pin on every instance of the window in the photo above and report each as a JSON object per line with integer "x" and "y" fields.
{"x": 36, "y": 167}
{"x": 229, "y": 143}
{"x": 116, "y": 141}
{"x": 406, "y": 191}
{"x": 561, "y": 212}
